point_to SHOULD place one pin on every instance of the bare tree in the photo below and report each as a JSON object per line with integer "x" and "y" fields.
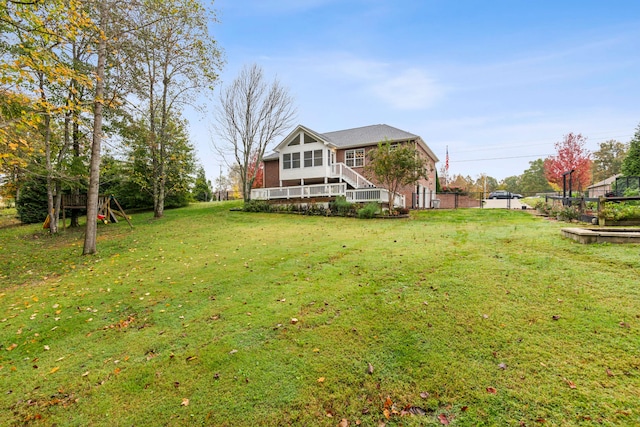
{"x": 251, "y": 114}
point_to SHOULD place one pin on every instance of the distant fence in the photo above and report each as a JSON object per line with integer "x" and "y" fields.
{"x": 459, "y": 200}
{"x": 475, "y": 199}
{"x": 624, "y": 184}
{"x": 227, "y": 195}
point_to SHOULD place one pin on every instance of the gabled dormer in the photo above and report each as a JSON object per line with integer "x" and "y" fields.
{"x": 304, "y": 153}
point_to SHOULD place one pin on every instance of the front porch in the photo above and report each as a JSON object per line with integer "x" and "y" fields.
{"x": 357, "y": 195}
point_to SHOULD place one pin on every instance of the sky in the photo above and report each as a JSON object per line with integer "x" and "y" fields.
{"x": 496, "y": 83}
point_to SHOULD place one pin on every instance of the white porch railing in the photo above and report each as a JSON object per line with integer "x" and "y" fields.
{"x": 360, "y": 195}
{"x": 340, "y": 170}
{"x": 300, "y": 191}
{"x": 380, "y": 195}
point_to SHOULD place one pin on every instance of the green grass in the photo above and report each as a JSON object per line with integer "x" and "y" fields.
{"x": 198, "y": 306}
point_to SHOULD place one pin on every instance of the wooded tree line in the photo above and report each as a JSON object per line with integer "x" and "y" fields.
{"x": 546, "y": 175}
{"x": 78, "y": 74}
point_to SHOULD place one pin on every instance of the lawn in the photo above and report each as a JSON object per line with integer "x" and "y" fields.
{"x": 224, "y": 318}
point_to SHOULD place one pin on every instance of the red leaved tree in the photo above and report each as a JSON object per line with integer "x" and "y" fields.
{"x": 256, "y": 168}
{"x": 570, "y": 154}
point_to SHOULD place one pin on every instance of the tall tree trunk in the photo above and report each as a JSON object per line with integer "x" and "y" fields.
{"x": 94, "y": 163}
{"x": 75, "y": 213}
{"x": 51, "y": 211}
{"x": 57, "y": 202}
{"x": 161, "y": 178}
{"x": 75, "y": 140}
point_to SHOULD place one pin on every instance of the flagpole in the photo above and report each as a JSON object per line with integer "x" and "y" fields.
{"x": 446, "y": 168}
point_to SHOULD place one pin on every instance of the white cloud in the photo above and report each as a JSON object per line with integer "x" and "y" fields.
{"x": 392, "y": 84}
{"x": 411, "y": 89}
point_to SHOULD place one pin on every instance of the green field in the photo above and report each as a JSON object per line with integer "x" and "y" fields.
{"x": 224, "y": 318}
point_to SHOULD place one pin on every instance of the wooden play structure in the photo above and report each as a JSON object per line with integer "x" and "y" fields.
{"x": 106, "y": 212}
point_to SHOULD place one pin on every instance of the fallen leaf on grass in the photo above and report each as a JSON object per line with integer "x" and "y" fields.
{"x": 85, "y": 374}
{"x": 388, "y": 403}
{"x": 294, "y": 320}
{"x": 502, "y": 366}
{"x": 609, "y": 373}
{"x": 386, "y": 413}
{"x": 370, "y": 369}
{"x": 185, "y": 402}
{"x": 556, "y": 317}
{"x": 321, "y": 379}
{"x": 424, "y": 395}
{"x": 12, "y": 346}
{"x": 443, "y": 419}
{"x": 54, "y": 370}
{"x": 190, "y": 358}
{"x": 343, "y": 423}
{"x": 569, "y": 382}
{"x": 492, "y": 390}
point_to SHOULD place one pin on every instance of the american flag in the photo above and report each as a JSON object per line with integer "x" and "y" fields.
{"x": 446, "y": 161}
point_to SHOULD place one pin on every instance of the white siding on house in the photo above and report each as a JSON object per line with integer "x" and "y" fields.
{"x": 303, "y": 172}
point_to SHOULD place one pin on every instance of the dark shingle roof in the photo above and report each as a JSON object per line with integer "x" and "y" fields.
{"x": 367, "y": 135}
{"x": 359, "y": 137}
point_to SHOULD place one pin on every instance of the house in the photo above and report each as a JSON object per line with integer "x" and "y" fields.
{"x": 308, "y": 166}
{"x": 599, "y": 189}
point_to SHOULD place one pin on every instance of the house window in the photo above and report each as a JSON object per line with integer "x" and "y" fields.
{"x": 291, "y": 161}
{"x": 312, "y": 158}
{"x": 354, "y": 158}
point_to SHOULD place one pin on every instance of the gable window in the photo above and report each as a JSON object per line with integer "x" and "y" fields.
{"x": 312, "y": 158}
{"x": 290, "y": 160}
{"x": 354, "y": 158}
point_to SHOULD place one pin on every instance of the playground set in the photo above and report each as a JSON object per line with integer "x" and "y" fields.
{"x": 106, "y": 212}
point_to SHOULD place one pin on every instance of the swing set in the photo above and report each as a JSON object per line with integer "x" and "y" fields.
{"x": 106, "y": 212}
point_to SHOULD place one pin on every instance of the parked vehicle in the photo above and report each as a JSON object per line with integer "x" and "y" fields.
{"x": 503, "y": 194}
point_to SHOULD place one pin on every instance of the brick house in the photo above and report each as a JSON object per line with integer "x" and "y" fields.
{"x": 308, "y": 166}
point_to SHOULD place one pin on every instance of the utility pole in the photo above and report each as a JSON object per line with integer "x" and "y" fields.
{"x": 220, "y": 185}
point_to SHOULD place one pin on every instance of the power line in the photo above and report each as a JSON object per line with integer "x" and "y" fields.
{"x": 533, "y": 144}
{"x": 501, "y": 158}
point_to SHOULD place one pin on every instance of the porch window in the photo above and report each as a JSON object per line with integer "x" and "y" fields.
{"x": 312, "y": 158}
{"x": 354, "y": 158}
{"x": 291, "y": 161}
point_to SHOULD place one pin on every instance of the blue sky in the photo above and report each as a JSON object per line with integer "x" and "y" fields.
{"x": 497, "y": 82}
